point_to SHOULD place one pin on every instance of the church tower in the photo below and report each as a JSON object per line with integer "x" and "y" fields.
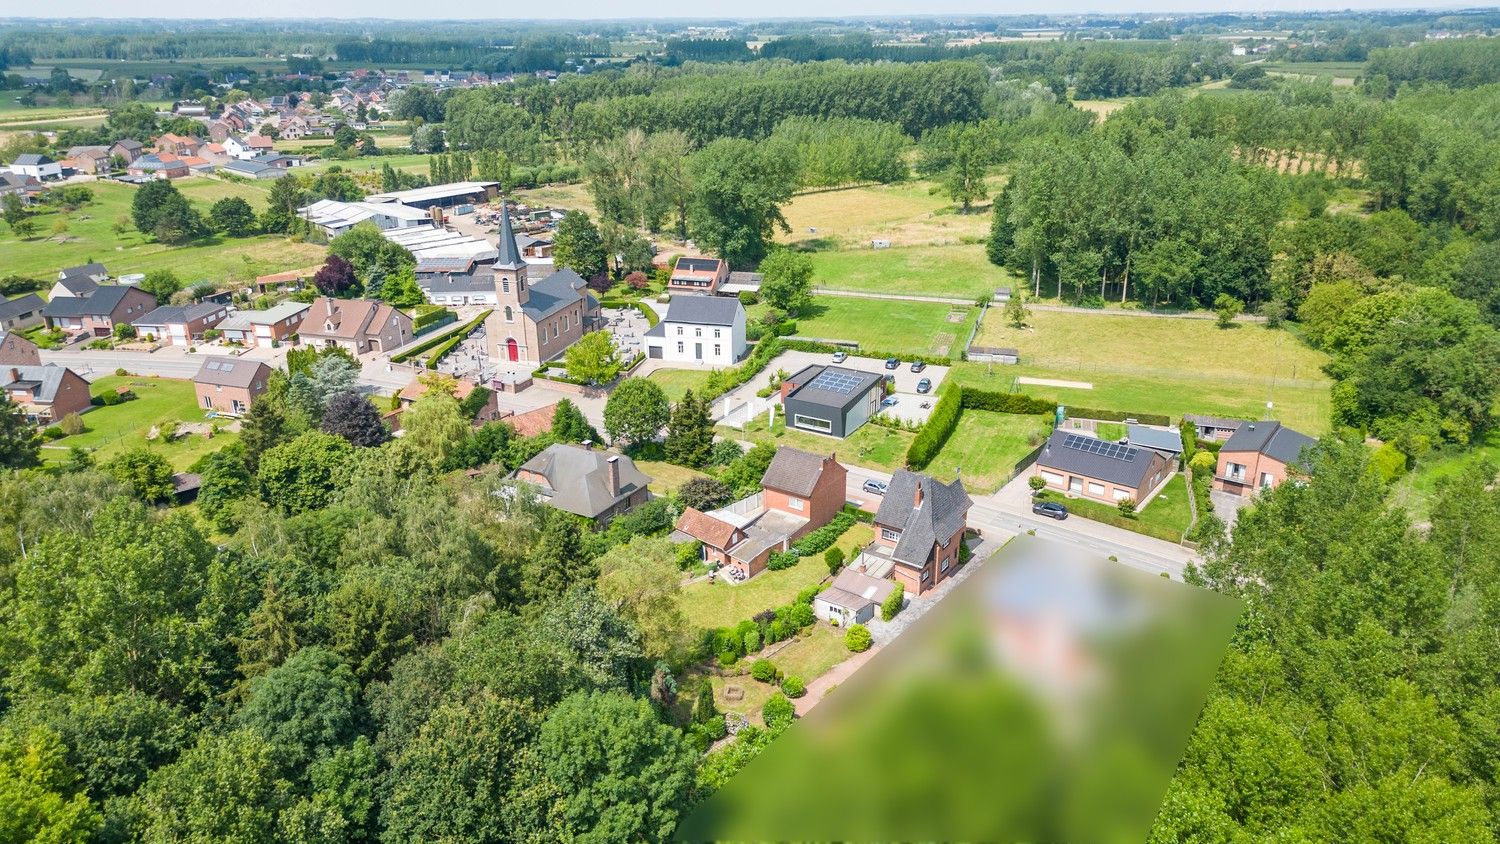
{"x": 510, "y": 269}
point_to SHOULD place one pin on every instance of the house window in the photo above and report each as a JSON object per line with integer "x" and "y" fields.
{"x": 679, "y": 347}
{"x": 926, "y": 574}
{"x": 945, "y": 564}
{"x": 889, "y": 535}
{"x": 1266, "y": 481}
{"x": 679, "y": 331}
{"x": 1096, "y": 488}
{"x": 794, "y": 503}
{"x": 717, "y": 333}
{"x": 812, "y": 423}
{"x": 697, "y": 332}
{"x": 208, "y": 402}
{"x": 717, "y": 351}
{"x": 1236, "y": 471}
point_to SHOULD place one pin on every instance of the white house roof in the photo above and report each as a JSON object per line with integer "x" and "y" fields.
{"x": 427, "y": 194}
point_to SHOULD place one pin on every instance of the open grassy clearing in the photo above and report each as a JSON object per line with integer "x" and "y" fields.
{"x": 91, "y": 237}
{"x": 708, "y": 605}
{"x": 676, "y": 382}
{"x": 1161, "y": 365}
{"x": 574, "y": 197}
{"x": 871, "y": 445}
{"x": 986, "y": 446}
{"x": 112, "y": 430}
{"x": 808, "y": 656}
{"x": 410, "y": 163}
{"x": 886, "y": 325}
{"x": 913, "y": 213}
{"x": 953, "y": 271}
{"x": 667, "y": 478}
{"x": 1103, "y": 108}
{"x": 1320, "y": 70}
{"x": 384, "y": 140}
{"x": 1415, "y": 490}
{"x": 1167, "y": 516}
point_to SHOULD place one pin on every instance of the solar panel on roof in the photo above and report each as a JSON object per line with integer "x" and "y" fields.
{"x": 842, "y": 383}
{"x": 1091, "y": 445}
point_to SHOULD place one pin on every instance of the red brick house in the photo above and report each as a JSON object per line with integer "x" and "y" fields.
{"x": 16, "y": 348}
{"x": 47, "y": 393}
{"x": 230, "y": 385}
{"x": 99, "y": 310}
{"x": 918, "y": 530}
{"x": 358, "y": 325}
{"x": 697, "y": 275}
{"x": 597, "y": 485}
{"x": 1258, "y": 456}
{"x": 180, "y": 325}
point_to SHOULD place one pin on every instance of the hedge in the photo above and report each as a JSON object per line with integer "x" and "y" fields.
{"x": 1118, "y": 416}
{"x": 935, "y": 432}
{"x": 429, "y": 317}
{"x": 823, "y": 538}
{"x": 453, "y": 340}
{"x": 1006, "y": 402}
{"x": 434, "y": 341}
{"x": 721, "y": 381}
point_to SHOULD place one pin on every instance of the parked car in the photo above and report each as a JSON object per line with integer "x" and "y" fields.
{"x": 925, "y": 385}
{"x": 892, "y": 363}
{"x": 840, "y": 356}
{"x": 1050, "y": 509}
{"x": 875, "y": 487}
{"x": 918, "y": 366}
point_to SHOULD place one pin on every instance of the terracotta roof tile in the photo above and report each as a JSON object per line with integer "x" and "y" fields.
{"x": 705, "y": 528}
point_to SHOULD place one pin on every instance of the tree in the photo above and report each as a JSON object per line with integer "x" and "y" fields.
{"x": 354, "y": 418}
{"x": 38, "y": 791}
{"x": 594, "y": 358}
{"x": 149, "y": 200}
{"x": 161, "y": 284}
{"x": 286, "y": 197}
{"x": 335, "y": 277}
{"x": 263, "y": 428}
{"x": 704, "y": 493}
{"x": 640, "y": 579}
{"x": 304, "y": 708}
{"x": 233, "y": 216}
{"x": 1037, "y": 483}
{"x": 434, "y": 425}
{"x": 787, "y": 282}
{"x": 740, "y": 187}
{"x": 1227, "y": 308}
{"x": 964, "y": 179}
{"x": 226, "y": 788}
{"x": 1016, "y": 313}
{"x": 690, "y": 433}
{"x": 569, "y": 426}
{"x": 304, "y": 473}
{"x": 177, "y": 222}
{"x": 146, "y": 473}
{"x": 578, "y": 246}
{"x": 20, "y": 443}
{"x": 636, "y": 411}
{"x": 12, "y": 209}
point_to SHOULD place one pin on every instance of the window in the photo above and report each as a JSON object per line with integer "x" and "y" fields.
{"x": 811, "y": 422}
{"x": 679, "y": 331}
{"x": 679, "y": 347}
{"x": 717, "y": 333}
{"x": 208, "y": 402}
{"x": 505, "y": 285}
{"x": 1096, "y": 488}
{"x": 795, "y": 503}
{"x": 926, "y": 574}
{"x": 1236, "y": 471}
{"x": 945, "y": 564}
{"x": 889, "y": 535}
{"x": 1266, "y": 481}
{"x": 717, "y": 350}
{"x": 510, "y": 315}
{"x": 697, "y": 332}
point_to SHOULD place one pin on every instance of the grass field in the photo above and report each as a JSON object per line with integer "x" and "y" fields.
{"x": 410, "y": 163}
{"x": 871, "y": 446}
{"x": 907, "y": 214}
{"x": 986, "y": 446}
{"x": 112, "y": 430}
{"x": 954, "y": 271}
{"x": 666, "y": 477}
{"x": 1161, "y": 365}
{"x": 1320, "y": 70}
{"x": 676, "y": 382}
{"x": 886, "y": 325}
{"x": 1167, "y": 516}
{"x": 708, "y": 605}
{"x": 1415, "y": 490}
{"x": 575, "y": 197}
{"x": 91, "y": 237}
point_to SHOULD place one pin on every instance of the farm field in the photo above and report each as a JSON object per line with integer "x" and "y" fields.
{"x": 986, "y": 446}
{"x": 872, "y": 445}
{"x": 676, "y": 382}
{"x": 907, "y": 214}
{"x": 1318, "y": 70}
{"x": 953, "y": 271}
{"x": 886, "y": 325}
{"x": 112, "y": 430}
{"x": 1160, "y": 365}
{"x": 410, "y": 163}
{"x": 574, "y": 197}
{"x": 91, "y": 237}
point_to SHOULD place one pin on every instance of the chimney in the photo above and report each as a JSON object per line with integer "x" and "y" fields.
{"x": 917, "y": 498}
{"x": 15, "y": 374}
{"x": 588, "y": 445}
{"x": 614, "y": 474}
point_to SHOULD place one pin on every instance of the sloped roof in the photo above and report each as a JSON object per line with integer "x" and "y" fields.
{"x": 100, "y": 302}
{"x": 715, "y": 533}
{"x": 1270, "y": 438}
{"x": 941, "y": 514}
{"x": 533, "y": 422}
{"x": 41, "y": 381}
{"x": 20, "y": 305}
{"x": 856, "y": 590}
{"x": 1169, "y": 442}
{"x": 553, "y": 293}
{"x": 578, "y": 478}
{"x": 699, "y": 309}
{"x": 510, "y": 256}
{"x": 1095, "y": 458}
{"x": 231, "y": 372}
{"x": 169, "y": 314}
{"x": 31, "y": 159}
{"x": 794, "y": 471}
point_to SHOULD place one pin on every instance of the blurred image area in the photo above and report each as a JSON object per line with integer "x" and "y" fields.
{"x": 1048, "y": 699}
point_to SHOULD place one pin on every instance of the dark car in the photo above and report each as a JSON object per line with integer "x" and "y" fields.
{"x": 874, "y": 487}
{"x": 1050, "y": 509}
{"x": 892, "y": 363}
{"x": 918, "y": 366}
{"x": 925, "y": 385}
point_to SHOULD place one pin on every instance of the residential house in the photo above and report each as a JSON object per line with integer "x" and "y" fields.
{"x": 159, "y": 165}
{"x": 178, "y": 144}
{"x": 230, "y": 385}
{"x": 1089, "y": 467}
{"x": 89, "y": 159}
{"x": 180, "y": 325}
{"x": 697, "y": 275}
{"x": 800, "y": 492}
{"x": 1213, "y": 427}
{"x": 21, "y": 313}
{"x": 852, "y": 598}
{"x": 25, "y": 187}
{"x": 597, "y": 485}
{"x": 39, "y": 167}
{"x": 534, "y": 322}
{"x": 918, "y": 530}
{"x": 264, "y": 329}
{"x": 16, "y": 348}
{"x": 79, "y": 281}
{"x": 831, "y": 400}
{"x": 533, "y": 422}
{"x": 127, "y": 149}
{"x": 358, "y": 325}
{"x": 699, "y": 329}
{"x": 1168, "y": 441}
{"x": 1259, "y": 456}
{"x": 45, "y": 393}
{"x": 99, "y": 311}
{"x": 248, "y": 146}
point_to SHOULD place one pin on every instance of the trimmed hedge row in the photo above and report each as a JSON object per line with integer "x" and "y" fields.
{"x": 651, "y": 318}
{"x": 435, "y": 341}
{"x": 823, "y": 538}
{"x": 1118, "y": 416}
{"x": 430, "y": 315}
{"x": 935, "y": 432}
{"x": 1019, "y": 403}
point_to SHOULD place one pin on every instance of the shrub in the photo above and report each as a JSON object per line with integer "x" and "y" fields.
{"x": 728, "y": 658}
{"x": 52, "y": 432}
{"x": 764, "y": 671}
{"x": 121, "y": 372}
{"x": 752, "y": 641}
{"x": 71, "y": 424}
{"x": 834, "y": 557}
{"x": 124, "y": 331}
{"x": 1126, "y": 506}
{"x": 781, "y": 560}
{"x": 1037, "y": 483}
{"x": 1019, "y": 403}
{"x": 110, "y": 398}
{"x": 891, "y": 606}
{"x": 823, "y": 537}
{"x": 793, "y": 687}
{"x": 938, "y": 428}
{"x": 857, "y": 638}
{"x": 807, "y": 594}
{"x": 778, "y": 712}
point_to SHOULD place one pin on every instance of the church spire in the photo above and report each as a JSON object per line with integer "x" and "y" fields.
{"x": 510, "y": 256}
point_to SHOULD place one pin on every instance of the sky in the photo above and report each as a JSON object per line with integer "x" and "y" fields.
{"x": 603, "y": 9}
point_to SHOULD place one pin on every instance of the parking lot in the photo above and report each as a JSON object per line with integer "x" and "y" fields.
{"x": 905, "y": 403}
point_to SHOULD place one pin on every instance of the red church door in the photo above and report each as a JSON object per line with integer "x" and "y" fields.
{"x": 512, "y": 350}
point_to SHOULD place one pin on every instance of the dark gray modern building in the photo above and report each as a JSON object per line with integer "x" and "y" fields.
{"x": 831, "y": 399}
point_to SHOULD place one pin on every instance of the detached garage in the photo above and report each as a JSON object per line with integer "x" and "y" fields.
{"x": 851, "y": 598}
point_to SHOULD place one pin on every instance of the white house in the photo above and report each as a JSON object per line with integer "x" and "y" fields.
{"x": 38, "y": 167}
{"x": 699, "y": 329}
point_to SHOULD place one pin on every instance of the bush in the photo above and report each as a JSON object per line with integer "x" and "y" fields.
{"x": 71, "y": 424}
{"x": 801, "y": 615}
{"x": 752, "y": 641}
{"x": 1119, "y": 416}
{"x": 110, "y": 398}
{"x": 891, "y": 606}
{"x": 121, "y": 372}
{"x": 1126, "y": 506}
{"x": 857, "y": 639}
{"x": 52, "y": 432}
{"x": 938, "y": 428}
{"x": 728, "y": 658}
{"x": 781, "y": 560}
{"x": 834, "y": 557}
{"x": 778, "y": 712}
{"x": 793, "y": 687}
{"x": 1037, "y": 483}
{"x": 764, "y": 671}
{"x": 824, "y": 537}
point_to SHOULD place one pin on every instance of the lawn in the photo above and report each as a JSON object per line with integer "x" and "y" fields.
{"x": 719, "y": 604}
{"x": 986, "y": 446}
{"x": 960, "y": 272}
{"x": 886, "y": 325}
{"x": 574, "y": 197}
{"x": 1167, "y": 516}
{"x": 667, "y": 477}
{"x": 410, "y": 163}
{"x": 91, "y": 237}
{"x": 676, "y": 382}
{"x": 1415, "y": 490}
{"x": 871, "y": 446}
{"x": 1160, "y": 365}
{"x": 111, "y": 430}
{"x": 907, "y": 214}
{"x": 1321, "y": 70}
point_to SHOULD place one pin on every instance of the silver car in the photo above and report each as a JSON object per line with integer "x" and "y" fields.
{"x": 874, "y": 487}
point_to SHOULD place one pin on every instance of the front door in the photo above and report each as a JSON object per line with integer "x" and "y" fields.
{"x": 697, "y": 351}
{"x": 512, "y": 349}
